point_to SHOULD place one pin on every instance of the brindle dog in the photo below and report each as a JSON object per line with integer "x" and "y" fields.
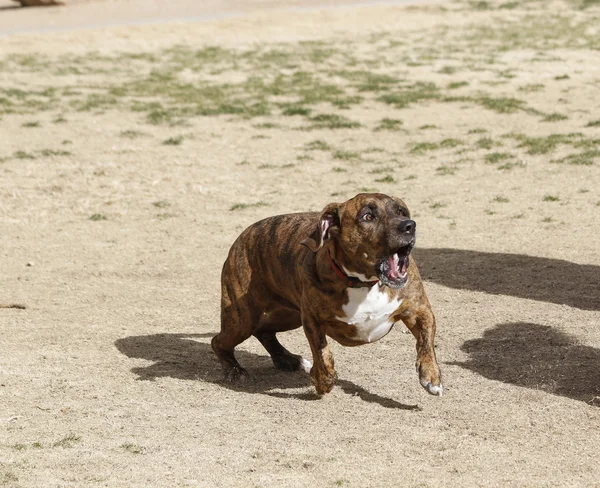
{"x": 345, "y": 273}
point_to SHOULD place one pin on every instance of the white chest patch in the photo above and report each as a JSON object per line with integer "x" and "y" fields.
{"x": 369, "y": 310}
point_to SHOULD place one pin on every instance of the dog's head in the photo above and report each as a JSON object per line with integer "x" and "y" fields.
{"x": 370, "y": 235}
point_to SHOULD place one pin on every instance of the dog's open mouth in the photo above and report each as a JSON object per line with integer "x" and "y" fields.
{"x": 393, "y": 271}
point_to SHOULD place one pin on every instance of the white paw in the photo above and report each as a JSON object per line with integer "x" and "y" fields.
{"x": 305, "y": 365}
{"x": 432, "y": 389}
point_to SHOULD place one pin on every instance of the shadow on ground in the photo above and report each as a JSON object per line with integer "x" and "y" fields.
{"x": 542, "y": 279}
{"x": 538, "y": 357}
{"x": 190, "y": 357}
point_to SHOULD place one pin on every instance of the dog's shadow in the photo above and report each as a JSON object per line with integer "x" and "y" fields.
{"x": 538, "y": 357}
{"x": 190, "y": 357}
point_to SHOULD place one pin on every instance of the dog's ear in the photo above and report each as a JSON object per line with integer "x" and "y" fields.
{"x": 403, "y": 205}
{"x": 329, "y": 223}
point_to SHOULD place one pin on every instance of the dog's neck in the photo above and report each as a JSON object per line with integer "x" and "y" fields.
{"x": 349, "y": 281}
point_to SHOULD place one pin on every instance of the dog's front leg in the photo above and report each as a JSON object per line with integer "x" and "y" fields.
{"x": 322, "y": 374}
{"x": 422, "y": 324}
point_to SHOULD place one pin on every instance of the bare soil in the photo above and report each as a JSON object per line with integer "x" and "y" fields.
{"x": 132, "y": 156}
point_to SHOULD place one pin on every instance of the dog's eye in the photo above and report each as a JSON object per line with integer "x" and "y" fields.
{"x": 402, "y": 212}
{"x": 368, "y": 217}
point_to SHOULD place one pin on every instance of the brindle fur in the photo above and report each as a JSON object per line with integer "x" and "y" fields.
{"x": 277, "y": 277}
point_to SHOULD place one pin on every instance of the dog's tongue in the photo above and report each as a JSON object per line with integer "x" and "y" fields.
{"x": 393, "y": 262}
{"x": 397, "y": 266}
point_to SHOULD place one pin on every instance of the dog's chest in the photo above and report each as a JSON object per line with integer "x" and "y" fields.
{"x": 369, "y": 310}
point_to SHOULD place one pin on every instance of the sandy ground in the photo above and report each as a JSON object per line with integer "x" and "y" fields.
{"x": 131, "y": 158}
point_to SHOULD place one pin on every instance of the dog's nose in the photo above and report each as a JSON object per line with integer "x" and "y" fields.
{"x": 407, "y": 226}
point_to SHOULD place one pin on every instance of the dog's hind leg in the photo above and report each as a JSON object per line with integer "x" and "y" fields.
{"x": 239, "y": 316}
{"x": 278, "y": 319}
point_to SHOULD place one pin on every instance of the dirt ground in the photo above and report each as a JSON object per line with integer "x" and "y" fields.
{"x": 131, "y": 158}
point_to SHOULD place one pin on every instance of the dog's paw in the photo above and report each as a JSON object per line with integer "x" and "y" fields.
{"x": 430, "y": 378}
{"x": 433, "y": 389}
{"x": 322, "y": 383}
{"x": 305, "y": 365}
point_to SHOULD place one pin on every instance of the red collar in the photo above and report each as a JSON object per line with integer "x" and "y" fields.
{"x": 351, "y": 281}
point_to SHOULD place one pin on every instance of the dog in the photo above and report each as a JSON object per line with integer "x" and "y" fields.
{"x": 346, "y": 273}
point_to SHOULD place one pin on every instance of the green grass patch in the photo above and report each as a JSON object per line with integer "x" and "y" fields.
{"x": 485, "y": 143}
{"x": 132, "y": 134}
{"x": 501, "y": 199}
{"x": 415, "y": 93}
{"x": 389, "y": 124}
{"x": 98, "y": 217}
{"x": 296, "y": 110}
{"x": 496, "y": 157}
{"x": 54, "y": 152}
{"x": 333, "y": 121}
{"x": 554, "y": 117}
{"x": 551, "y": 198}
{"x": 585, "y": 158}
{"x": 457, "y": 84}
{"x": 317, "y": 145}
{"x": 445, "y": 170}
{"x": 544, "y": 145}
{"x": 67, "y": 441}
{"x": 386, "y": 179}
{"x": 173, "y": 141}
{"x": 451, "y": 143}
{"x": 23, "y": 155}
{"x": 161, "y": 204}
{"x": 593, "y": 123}
{"x": 423, "y": 147}
{"x": 31, "y": 124}
{"x": 345, "y": 155}
{"x": 242, "y": 206}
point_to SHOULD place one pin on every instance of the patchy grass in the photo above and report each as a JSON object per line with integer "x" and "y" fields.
{"x": 98, "y": 217}
{"x": 242, "y": 206}
{"x": 296, "y": 110}
{"x": 554, "y": 117}
{"x": 457, "y": 84}
{"x": 532, "y": 88}
{"x": 333, "y": 121}
{"x": 389, "y": 124}
{"x": 23, "y": 155}
{"x": 31, "y": 124}
{"x": 496, "y": 157}
{"x": 133, "y": 448}
{"x": 132, "y": 134}
{"x": 428, "y": 126}
{"x": 551, "y": 198}
{"x": 54, "y": 152}
{"x": 501, "y": 199}
{"x": 436, "y": 205}
{"x": 386, "y": 179}
{"x": 423, "y": 147}
{"x": 445, "y": 170}
{"x": 593, "y": 123}
{"x": 67, "y": 441}
{"x": 345, "y": 155}
{"x": 411, "y": 94}
{"x": 544, "y": 145}
{"x": 485, "y": 143}
{"x": 317, "y": 145}
{"x": 161, "y": 204}
{"x": 173, "y": 141}
{"x": 585, "y": 158}
{"x": 451, "y": 143}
